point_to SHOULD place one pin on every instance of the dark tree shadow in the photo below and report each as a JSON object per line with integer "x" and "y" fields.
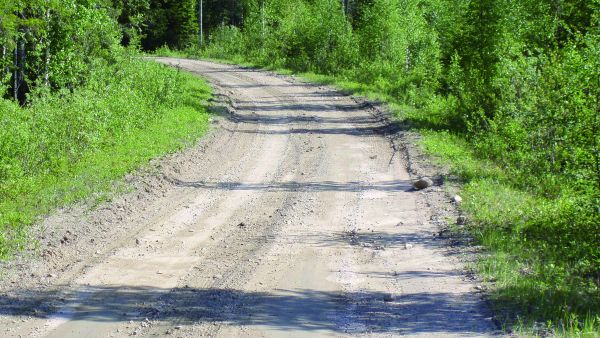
{"x": 301, "y": 107}
{"x": 359, "y": 132}
{"x": 303, "y": 309}
{"x": 385, "y": 240}
{"x": 293, "y": 186}
{"x": 283, "y": 119}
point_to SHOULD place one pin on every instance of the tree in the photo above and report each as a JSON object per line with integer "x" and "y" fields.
{"x": 131, "y": 15}
{"x": 172, "y": 23}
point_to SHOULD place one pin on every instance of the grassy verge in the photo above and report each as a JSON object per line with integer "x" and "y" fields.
{"x": 533, "y": 276}
{"x": 69, "y": 146}
{"x": 532, "y": 290}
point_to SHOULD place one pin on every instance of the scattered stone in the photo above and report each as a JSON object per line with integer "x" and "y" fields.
{"x": 177, "y": 327}
{"x": 526, "y": 271}
{"x": 423, "y": 183}
{"x": 388, "y": 297}
{"x": 218, "y": 276}
{"x": 137, "y": 241}
{"x": 461, "y": 220}
{"x": 373, "y": 157}
{"x": 456, "y": 199}
{"x": 242, "y": 224}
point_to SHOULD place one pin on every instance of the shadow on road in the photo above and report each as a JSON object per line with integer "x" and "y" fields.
{"x": 305, "y": 310}
{"x": 300, "y": 107}
{"x": 283, "y": 119}
{"x": 361, "y": 132}
{"x": 293, "y": 186}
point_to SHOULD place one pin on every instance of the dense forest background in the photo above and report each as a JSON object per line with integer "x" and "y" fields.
{"x": 515, "y": 82}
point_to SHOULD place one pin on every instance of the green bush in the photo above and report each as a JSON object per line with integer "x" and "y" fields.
{"x": 224, "y": 41}
{"x": 49, "y": 149}
{"x": 507, "y": 92}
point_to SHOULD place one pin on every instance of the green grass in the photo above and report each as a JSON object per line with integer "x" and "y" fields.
{"x": 534, "y": 289}
{"x": 537, "y": 282}
{"x": 127, "y": 127}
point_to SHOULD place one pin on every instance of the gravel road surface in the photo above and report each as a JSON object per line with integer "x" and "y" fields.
{"x": 294, "y": 217}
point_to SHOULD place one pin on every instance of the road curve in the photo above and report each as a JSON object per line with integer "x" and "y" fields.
{"x": 294, "y": 218}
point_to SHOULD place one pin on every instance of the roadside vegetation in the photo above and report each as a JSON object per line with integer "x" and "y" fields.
{"x": 79, "y": 110}
{"x": 505, "y": 93}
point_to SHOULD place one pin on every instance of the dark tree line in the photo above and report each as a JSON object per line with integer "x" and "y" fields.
{"x": 174, "y": 23}
{"x": 52, "y": 43}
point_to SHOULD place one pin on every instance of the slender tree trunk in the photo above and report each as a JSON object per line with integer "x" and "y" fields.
{"x": 19, "y": 74}
{"x": 596, "y": 129}
{"x": 4, "y": 67}
{"x": 345, "y": 7}
{"x": 47, "y": 66}
{"x": 262, "y": 18}
{"x": 21, "y": 68}
{"x": 16, "y": 72}
{"x": 47, "y": 51}
{"x": 201, "y": 24}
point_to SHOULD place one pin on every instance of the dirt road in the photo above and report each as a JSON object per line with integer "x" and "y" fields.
{"x": 293, "y": 217}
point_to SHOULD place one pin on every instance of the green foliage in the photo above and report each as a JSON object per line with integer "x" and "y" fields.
{"x": 507, "y": 92}
{"x": 302, "y": 35}
{"x": 131, "y": 16}
{"x": 399, "y": 50}
{"x": 66, "y": 146}
{"x": 53, "y": 43}
{"x": 224, "y": 41}
{"x": 170, "y": 22}
{"x": 542, "y": 256}
{"x": 79, "y": 36}
{"x": 84, "y": 110}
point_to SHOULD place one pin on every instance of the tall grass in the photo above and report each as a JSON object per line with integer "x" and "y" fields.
{"x": 64, "y": 146}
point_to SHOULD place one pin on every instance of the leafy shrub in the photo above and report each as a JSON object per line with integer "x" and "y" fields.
{"x": 225, "y": 41}
{"x": 513, "y": 85}
{"x": 44, "y": 146}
